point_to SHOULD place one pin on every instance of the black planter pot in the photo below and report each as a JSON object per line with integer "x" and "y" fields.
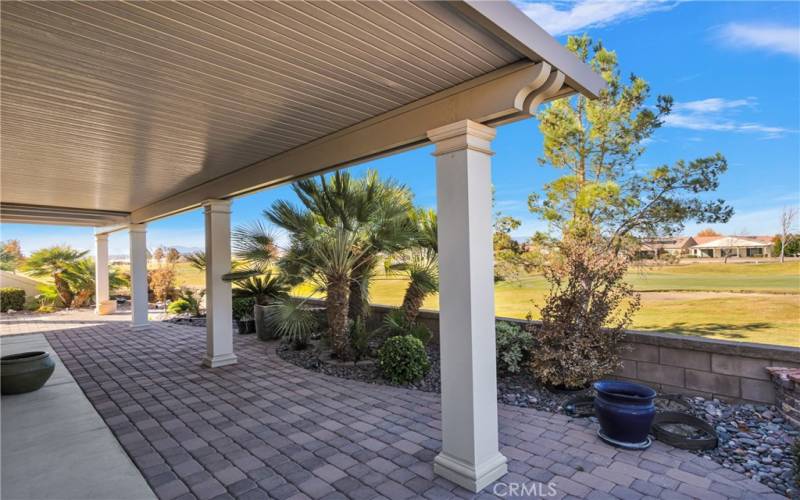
{"x": 242, "y": 327}
{"x": 625, "y": 411}
{"x": 25, "y": 372}
{"x": 251, "y": 326}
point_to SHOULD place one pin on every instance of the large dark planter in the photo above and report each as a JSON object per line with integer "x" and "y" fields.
{"x": 251, "y": 326}
{"x": 25, "y": 372}
{"x": 625, "y": 411}
{"x": 241, "y": 325}
{"x": 262, "y": 331}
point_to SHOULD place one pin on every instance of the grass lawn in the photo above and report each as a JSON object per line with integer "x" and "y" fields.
{"x": 747, "y": 302}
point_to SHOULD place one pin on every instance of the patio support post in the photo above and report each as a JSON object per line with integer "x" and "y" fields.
{"x": 219, "y": 320}
{"x": 470, "y": 454}
{"x": 138, "y": 251}
{"x": 101, "y": 270}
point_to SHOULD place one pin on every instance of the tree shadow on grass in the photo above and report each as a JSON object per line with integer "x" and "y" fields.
{"x": 718, "y": 330}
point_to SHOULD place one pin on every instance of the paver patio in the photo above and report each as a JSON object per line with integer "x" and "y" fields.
{"x": 264, "y": 428}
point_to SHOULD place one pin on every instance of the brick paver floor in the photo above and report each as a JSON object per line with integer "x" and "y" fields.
{"x": 264, "y": 428}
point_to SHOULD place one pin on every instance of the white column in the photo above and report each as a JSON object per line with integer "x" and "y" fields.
{"x": 100, "y": 271}
{"x": 470, "y": 453}
{"x": 138, "y": 240}
{"x": 219, "y": 320}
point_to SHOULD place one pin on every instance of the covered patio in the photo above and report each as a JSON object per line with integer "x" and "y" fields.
{"x": 118, "y": 114}
{"x": 263, "y": 428}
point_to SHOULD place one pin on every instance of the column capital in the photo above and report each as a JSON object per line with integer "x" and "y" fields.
{"x": 216, "y": 206}
{"x": 458, "y": 136}
{"x": 101, "y": 236}
{"x": 137, "y": 228}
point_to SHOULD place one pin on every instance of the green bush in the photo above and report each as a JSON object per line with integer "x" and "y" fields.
{"x": 12, "y": 298}
{"x": 243, "y": 308}
{"x": 359, "y": 340}
{"x": 178, "y": 306}
{"x": 395, "y": 323}
{"x": 403, "y": 359}
{"x": 514, "y": 347}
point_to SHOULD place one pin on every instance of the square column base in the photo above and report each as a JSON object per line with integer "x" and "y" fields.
{"x": 470, "y": 477}
{"x": 221, "y": 360}
{"x": 137, "y": 328}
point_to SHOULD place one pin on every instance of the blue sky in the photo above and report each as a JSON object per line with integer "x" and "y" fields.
{"x": 732, "y": 67}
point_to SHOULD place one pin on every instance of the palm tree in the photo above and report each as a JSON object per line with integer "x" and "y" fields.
{"x": 377, "y": 209}
{"x": 80, "y": 276}
{"x": 197, "y": 260}
{"x": 420, "y": 263}
{"x": 330, "y": 259}
{"x": 53, "y": 262}
{"x": 264, "y": 288}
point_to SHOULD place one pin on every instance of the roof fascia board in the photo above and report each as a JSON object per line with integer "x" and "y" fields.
{"x": 505, "y": 21}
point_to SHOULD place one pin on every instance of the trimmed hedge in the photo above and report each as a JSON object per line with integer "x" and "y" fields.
{"x": 12, "y": 298}
{"x": 403, "y": 359}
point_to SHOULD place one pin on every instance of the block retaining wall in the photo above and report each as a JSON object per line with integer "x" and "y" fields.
{"x": 728, "y": 370}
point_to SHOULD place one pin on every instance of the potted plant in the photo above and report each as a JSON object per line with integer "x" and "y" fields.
{"x": 625, "y": 411}
{"x": 262, "y": 290}
{"x": 243, "y": 314}
{"x": 25, "y": 372}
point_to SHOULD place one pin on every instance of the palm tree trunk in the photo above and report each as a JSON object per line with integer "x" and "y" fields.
{"x": 412, "y": 302}
{"x": 336, "y": 305}
{"x": 63, "y": 290}
{"x": 359, "y": 287}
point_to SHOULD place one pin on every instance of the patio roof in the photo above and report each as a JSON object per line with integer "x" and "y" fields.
{"x": 149, "y": 108}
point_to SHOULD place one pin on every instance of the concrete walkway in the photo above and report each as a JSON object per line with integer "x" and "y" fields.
{"x": 56, "y": 446}
{"x": 264, "y": 428}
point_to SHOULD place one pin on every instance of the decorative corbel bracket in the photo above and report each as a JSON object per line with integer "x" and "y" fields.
{"x": 546, "y": 83}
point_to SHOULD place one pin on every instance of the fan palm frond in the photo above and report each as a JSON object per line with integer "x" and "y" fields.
{"x": 291, "y": 320}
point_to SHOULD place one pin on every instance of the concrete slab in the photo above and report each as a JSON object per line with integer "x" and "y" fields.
{"x": 56, "y": 446}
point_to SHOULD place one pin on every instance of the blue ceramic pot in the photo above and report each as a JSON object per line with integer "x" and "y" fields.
{"x": 625, "y": 411}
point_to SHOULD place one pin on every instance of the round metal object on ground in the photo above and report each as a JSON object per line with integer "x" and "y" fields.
{"x": 671, "y": 402}
{"x": 579, "y": 406}
{"x": 684, "y": 431}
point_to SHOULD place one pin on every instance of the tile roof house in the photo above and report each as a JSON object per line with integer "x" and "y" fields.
{"x": 732, "y": 246}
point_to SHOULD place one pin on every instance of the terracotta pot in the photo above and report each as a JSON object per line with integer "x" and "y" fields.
{"x": 25, "y": 372}
{"x": 106, "y": 307}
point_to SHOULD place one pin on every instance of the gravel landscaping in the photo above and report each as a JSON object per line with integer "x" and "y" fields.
{"x": 753, "y": 440}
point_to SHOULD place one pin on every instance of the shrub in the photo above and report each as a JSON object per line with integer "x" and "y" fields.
{"x": 12, "y": 298}
{"x": 514, "y": 347}
{"x": 292, "y": 321}
{"x": 243, "y": 308}
{"x": 162, "y": 282}
{"x": 585, "y": 313}
{"x": 359, "y": 340}
{"x": 395, "y": 323}
{"x": 178, "y": 306}
{"x": 187, "y": 295}
{"x": 403, "y": 359}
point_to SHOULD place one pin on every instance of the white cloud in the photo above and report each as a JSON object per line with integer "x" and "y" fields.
{"x": 713, "y": 104}
{"x": 569, "y": 17}
{"x": 717, "y": 114}
{"x": 771, "y": 37}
